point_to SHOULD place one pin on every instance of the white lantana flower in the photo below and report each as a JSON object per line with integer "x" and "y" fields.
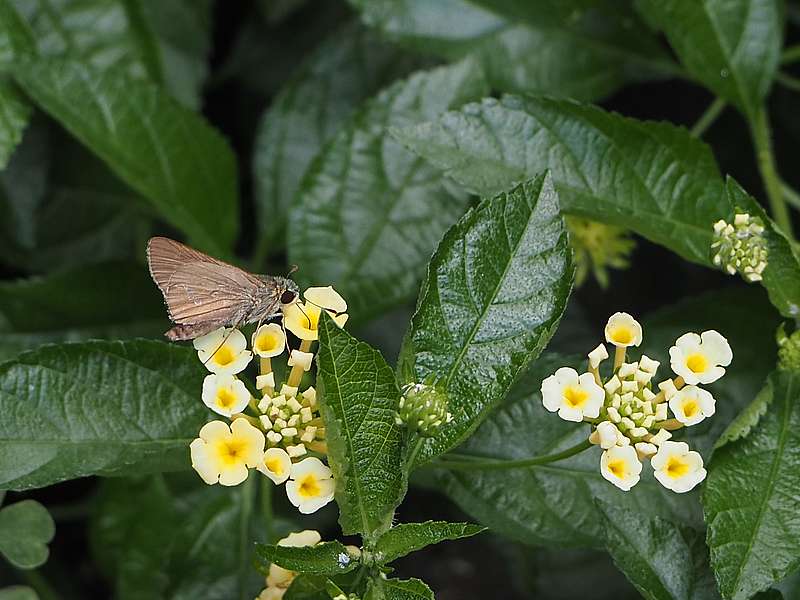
{"x": 276, "y": 465}
{"x": 700, "y": 358}
{"x": 231, "y": 355}
{"x": 311, "y": 485}
{"x": 690, "y": 405}
{"x": 623, "y": 331}
{"x": 620, "y": 465}
{"x": 677, "y": 468}
{"x": 225, "y": 394}
{"x": 573, "y": 396}
{"x": 269, "y": 340}
{"x": 222, "y": 454}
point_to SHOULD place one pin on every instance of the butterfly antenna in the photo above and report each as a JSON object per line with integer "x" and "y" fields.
{"x": 305, "y": 313}
{"x": 336, "y": 313}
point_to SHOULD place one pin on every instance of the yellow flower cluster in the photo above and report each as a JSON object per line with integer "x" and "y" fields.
{"x": 277, "y": 433}
{"x": 630, "y": 419}
{"x": 598, "y": 247}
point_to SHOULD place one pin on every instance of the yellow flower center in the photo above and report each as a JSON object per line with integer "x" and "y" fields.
{"x": 224, "y": 356}
{"x": 232, "y": 451}
{"x": 274, "y": 465}
{"x": 575, "y": 397}
{"x": 677, "y": 467}
{"x": 266, "y": 343}
{"x": 622, "y": 335}
{"x": 225, "y": 398}
{"x": 309, "y": 487}
{"x": 697, "y": 363}
{"x": 618, "y": 468}
{"x": 691, "y": 407}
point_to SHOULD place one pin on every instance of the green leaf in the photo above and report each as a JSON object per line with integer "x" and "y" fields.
{"x": 358, "y": 400}
{"x": 182, "y": 36}
{"x": 653, "y": 178}
{"x": 553, "y": 504}
{"x": 369, "y": 213}
{"x": 18, "y": 592}
{"x": 16, "y": 39}
{"x": 175, "y": 538}
{"x": 749, "y": 498}
{"x": 732, "y": 47}
{"x": 326, "y": 558}
{"x": 165, "y": 43}
{"x": 398, "y": 589}
{"x": 25, "y": 530}
{"x": 162, "y": 150}
{"x": 15, "y": 112}
{"x": 52, "y": 180}
{"x": 106, "y": 300}
{"x": 652, "y": 553}
{"x": 495, "y": 291}
{"x": 562, "y": 49}
{"x": 97, "y": 408}
{"x": 348, "y": 67}
{"x": 406, "y": 538}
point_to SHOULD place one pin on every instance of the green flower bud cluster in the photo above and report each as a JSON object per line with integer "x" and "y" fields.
{"x": 423, "y": 408}
{"x": 788, "y": 350}
{"x": 740, "y": 247}
{"x": 598, "y": 247}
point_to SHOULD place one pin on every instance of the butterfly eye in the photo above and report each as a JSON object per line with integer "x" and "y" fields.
{"x": 288, "y": 297}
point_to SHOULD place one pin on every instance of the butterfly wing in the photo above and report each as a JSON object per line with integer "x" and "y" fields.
{"x": 198, "y": 288}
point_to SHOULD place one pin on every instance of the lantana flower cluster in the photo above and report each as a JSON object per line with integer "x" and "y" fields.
{"x": 278, "y": 432}
{"x": 630, "y": 414}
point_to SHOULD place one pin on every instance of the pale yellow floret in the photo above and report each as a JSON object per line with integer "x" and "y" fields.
{"x": 269, "y": 340}
{"x": 302, "y": 319}
{"x": 311, "y": 485}
{"x": 223, "y": 351}
{"x": 222, "y": 453}
{"x": 276, "y": 465}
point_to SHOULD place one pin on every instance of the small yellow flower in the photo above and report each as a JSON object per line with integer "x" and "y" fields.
{"x": 302, "y": 319}
{"x": 269, "y": 340}
{"x": 573, "y": 396}
{"x": 620, "y": 465}
{"x": 222, "y": 453}
{"x": 690, "y": 405}
{"x": 225, "y": 394}
{"x": 231, "y": 355}
{"x": 700, "y": 358}
{"x": 623, "y": 331}
{"x": 276, "y": 465}
{"x": 311, "y": 485}
{"x": 677, "y": 468}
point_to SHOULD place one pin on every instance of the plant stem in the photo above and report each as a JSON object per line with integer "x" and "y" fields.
{"x": 36, "y": 580}
{"x": 495, "y": 465}
{"x": 790, "y": 55}
{"x": 266, "y": 509}
{"x": 790, "y": 194}
{"x": 708, "y": 117}
{"x": 787, "y": 81}
{"x": 247, "y": 491}
{"x": 762, "y": 139}
{"x": 413, "y": 455}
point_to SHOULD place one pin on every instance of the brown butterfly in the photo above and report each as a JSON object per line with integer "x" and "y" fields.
{"x": 203, "y": 294}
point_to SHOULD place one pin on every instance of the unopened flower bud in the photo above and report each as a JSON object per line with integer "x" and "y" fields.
{"x": 788, "y": 350}
{"x": 423, "y": 408}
